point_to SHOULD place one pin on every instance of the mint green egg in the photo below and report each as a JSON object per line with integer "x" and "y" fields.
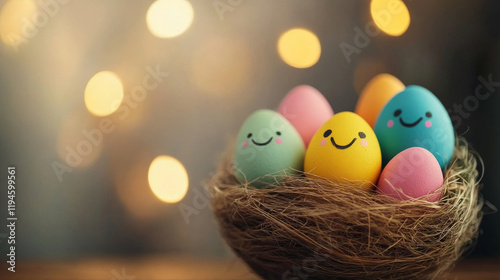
{"x": 267, "y": 144}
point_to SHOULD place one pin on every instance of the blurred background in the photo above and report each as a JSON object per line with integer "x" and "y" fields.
{"x": 115, "y": 112}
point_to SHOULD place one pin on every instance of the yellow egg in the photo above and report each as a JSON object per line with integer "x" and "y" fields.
{"x": 345, "y": 149}
{"x": 377, "y": 92}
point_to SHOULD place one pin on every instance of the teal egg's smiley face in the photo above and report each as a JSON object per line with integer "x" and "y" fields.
{"x": 267, "y": 144}
{"x": 415, "y": 118}
{"x": 397, "y": 115}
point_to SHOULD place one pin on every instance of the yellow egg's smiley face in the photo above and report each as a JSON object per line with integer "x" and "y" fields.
{"x": 328, "y": 132}
{"x": 345, "y": 149}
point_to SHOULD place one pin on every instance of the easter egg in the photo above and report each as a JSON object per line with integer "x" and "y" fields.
{"x": 415, "y": 118}
{"x": 413, "y": 173}
{"x": 377, "y": 92}
{"x": 267, "y": 144}
{"x": 344, "y": 149}
{"x": 306, "y": 109}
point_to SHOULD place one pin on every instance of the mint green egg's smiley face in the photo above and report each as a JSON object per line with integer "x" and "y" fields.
{"x": 415, "y": 118}
{"x": 267, "y": 144}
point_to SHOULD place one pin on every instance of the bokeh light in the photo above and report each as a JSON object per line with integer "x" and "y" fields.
{"x": 222, "y": 67}
{"x": 169, "y": 18}
{"x": 391, "y": 16}
{"x": 104, "y": 93}
{"x": 299, "y": 48}
{"x": 168, "y": 179}
{"x": 15, "y": 19}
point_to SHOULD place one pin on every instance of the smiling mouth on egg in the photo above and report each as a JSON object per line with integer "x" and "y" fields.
{"x": 410, "y": 124}
{"x": 263, "y": 144}
{"x": 340, "y": 147}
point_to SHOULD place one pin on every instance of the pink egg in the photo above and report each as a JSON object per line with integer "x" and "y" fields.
{"x": 306, "y": 109}
{"x": 413, "y": 173}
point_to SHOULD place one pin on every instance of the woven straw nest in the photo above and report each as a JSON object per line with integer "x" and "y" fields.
{"x": 313, "y": 229}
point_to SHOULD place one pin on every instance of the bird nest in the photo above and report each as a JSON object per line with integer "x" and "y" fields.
{"x": 307, "y": 228}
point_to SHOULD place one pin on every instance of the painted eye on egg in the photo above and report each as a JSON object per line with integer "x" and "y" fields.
{"x": 397, "y": 112}
{"x": 362, "y": 135}
{"x": 327, "y": 133}
{"x": 428, "y": 114}
{"x": 278, "y": 133}
{"x": 249, "y": 135}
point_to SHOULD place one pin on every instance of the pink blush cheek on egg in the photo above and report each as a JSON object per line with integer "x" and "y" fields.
{"x": 428, "y": 124}
{"x": 364, "y": 143}
{"x": 279, "y": 141}
{"x": 390, "y": 123}
{"x": 322, "y": 142}
{"x": 245, "y": 144}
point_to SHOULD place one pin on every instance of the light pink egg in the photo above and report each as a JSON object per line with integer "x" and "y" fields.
{"x": 307, "y": 109}
{"x": 413, "y": 173}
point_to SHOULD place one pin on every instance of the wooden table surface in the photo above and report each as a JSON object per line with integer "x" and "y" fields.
{"x": 157, "y": 268}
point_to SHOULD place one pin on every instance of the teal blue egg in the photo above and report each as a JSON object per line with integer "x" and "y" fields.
{"x": 267, "y": 146}
{"x": 415, "y": 118}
